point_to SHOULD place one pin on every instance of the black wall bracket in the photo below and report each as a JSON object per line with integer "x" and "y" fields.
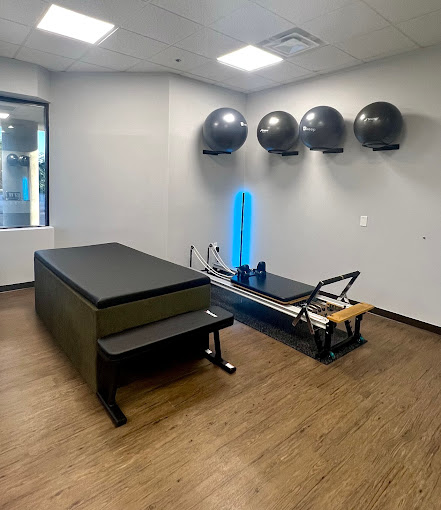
{"x": 325, "y": 150}
{"x": 215, "y": 153}
{"x": 284, "y": 153}
{"x": 392, "y": 147}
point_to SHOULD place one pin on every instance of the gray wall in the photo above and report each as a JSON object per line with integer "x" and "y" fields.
{"x": 17, "y": 246}
{"x": 307, "y": 208}
{"x": 127, "y": 163}
{"x": 109, "y": 159}
{"x": 24, "y": 80}
{"x": 201, "y": 187}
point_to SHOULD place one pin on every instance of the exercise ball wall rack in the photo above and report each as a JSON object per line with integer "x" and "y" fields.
{"x": 327, "y": 150}
{"x": 215, "y": 153}
{"x": 284, "y": 153}
{"x": 391, "y": 147}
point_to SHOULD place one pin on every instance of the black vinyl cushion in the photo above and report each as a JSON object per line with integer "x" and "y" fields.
{"x": 276, "y": 287}
{"x": 132, "y": 341}
{"x": 112, "y": 274}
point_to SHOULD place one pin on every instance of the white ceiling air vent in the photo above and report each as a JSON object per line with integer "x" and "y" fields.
{"x": 291, "y": 42}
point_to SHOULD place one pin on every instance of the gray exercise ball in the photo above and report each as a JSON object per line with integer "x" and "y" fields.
{"x": 378, "y": 124}
{"x": 225, "y": 130}
{"x": 277, "y": 131}
{"x": 23, "y": 160}
{"x": 322, "y": 127}
{"x": 12, "y": 159}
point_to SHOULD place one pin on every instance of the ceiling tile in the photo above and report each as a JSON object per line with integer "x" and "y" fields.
{"x": 231, "y": 87}
{"x": 27, "y": 12}
{"x": 160, "y": 24}
{"x": 265, "y": 87}
{"x": 188, "y": 61}
{"x": 199, "y": 78}
{"x": 425, "y": 30}
{"x": 8, "y": 49}
{"x": 112, "y": 11}
{"x": 148, "y": 67}
{"x": 204, "y": 12}
{"x": 209, "y": 43}
{"x": 107, "y": 58}
{"x": 402, "y": 10}
{"x": 350, "y": 21}
{"x": 284, "y": 71}
{"x": 13, "y": 32}
{"x": 216, "y": 71}
{"x": 133, "y": 44}
{"x": 252, "y": 24}
{"x": 381, "y": 43}
{"x": 47, "y": 60}
{"x": 50, "y": 43}
{"x": 248, "y": 81}
{"x": 300, "y": 11}
{"x": 324, "y": 58}
{"x": 84, "y": 67}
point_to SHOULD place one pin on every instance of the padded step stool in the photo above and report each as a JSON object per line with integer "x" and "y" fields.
{"x": 114, "y": 349}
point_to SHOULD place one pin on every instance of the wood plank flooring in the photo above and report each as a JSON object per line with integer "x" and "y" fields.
{"x": 283, "y": 433}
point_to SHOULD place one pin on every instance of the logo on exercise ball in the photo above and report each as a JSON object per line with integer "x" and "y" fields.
{"x": 305, "y": 128}
{"x": 243, "y": 124}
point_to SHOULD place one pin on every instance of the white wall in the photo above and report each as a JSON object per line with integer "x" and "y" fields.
{"x": 201, "y": 187}
{"x": 109, "y": 159}
{"x": 307, "y": 207}
{"x": 23, "y": 80}
{"x": 126, "y": 163}
{"x": 17, "y": 247}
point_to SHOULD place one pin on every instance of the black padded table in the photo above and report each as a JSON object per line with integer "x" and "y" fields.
{"x": 89, "y": 292}
{"x": 192, "y": 326}
{"x": 275, "y": 287}
{"x": 113, "y": 274}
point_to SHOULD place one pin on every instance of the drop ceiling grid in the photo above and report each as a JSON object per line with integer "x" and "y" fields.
{"x": 153, "y": 33}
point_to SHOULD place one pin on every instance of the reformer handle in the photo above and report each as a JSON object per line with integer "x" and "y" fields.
{"x": 354, "y": 274}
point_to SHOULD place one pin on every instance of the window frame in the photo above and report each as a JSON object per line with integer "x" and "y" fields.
{"x": 45, "y": 105}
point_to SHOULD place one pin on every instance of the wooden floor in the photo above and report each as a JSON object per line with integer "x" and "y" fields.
{"x": 284, "y": 432}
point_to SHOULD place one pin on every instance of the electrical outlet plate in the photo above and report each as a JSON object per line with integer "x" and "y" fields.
{"x": 363, "y": 221}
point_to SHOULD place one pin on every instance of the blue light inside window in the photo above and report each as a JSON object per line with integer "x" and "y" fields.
{"x": 25, "y": 188}
{"x": 242, "y": 228}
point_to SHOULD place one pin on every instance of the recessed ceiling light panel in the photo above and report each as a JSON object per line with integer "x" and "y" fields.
{"x": 4, "y": 115}
{"x": 75, "y": 25}
{"x": 249, "y": 58}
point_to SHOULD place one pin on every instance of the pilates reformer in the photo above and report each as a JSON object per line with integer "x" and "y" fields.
{"x": 301, "y": 302}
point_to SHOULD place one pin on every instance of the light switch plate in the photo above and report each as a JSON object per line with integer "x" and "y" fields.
{"x": 363, "y": 221}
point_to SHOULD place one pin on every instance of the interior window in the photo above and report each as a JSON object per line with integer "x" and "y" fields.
{"x": 23, "y": 164}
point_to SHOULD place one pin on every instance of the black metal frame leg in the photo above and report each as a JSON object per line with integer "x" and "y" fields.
{"x": 329, "y": 331}
{"x": 357, "y": 334}
{"x": 107, "y": 385}
{"x": 216, "y": 357}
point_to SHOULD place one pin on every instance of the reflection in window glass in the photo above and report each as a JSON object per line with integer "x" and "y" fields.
{"x": 23, "y": 164}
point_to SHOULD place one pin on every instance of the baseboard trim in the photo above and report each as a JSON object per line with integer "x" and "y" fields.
{"x": 16, "y": 286}
{"x": 397, "y": 317}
